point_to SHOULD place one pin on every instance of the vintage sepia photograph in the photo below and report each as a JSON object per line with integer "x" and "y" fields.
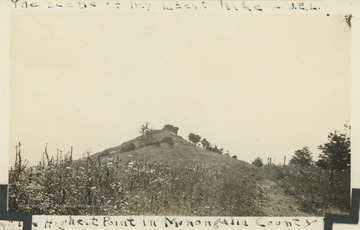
{"x": 183, "y": 114}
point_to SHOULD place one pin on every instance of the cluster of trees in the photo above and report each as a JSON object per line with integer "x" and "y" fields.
{"x": 336, "y": 153}
{"x": 205, "y": 144}
{"x": 195, "y": 139}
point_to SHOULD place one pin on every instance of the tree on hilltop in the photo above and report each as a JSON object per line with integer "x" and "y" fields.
{"x": 146, "y": 134}
{"x": 205, "y": 143}
{"x": 193, "y": 138}
{"x": 145, "y": 128}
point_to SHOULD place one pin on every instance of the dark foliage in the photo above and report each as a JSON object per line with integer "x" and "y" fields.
{"x": 302, "y": 157}
{"x": 193, "y": 138}
{"x": 168, "y": 140}
{"x": 145, "y": 128}
{"x": 313, "y": 189}
{"x": 171, "y": 128}
{"x": 128, "y": 147}
{"x": 336, "y": 152}
{"x": 105, "y": 153}
{"x": 205, "y": 143}
{"x": 258, "y": 162}
{"x": 215, "y": 149}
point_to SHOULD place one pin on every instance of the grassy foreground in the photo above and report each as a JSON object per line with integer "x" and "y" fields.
{"x": 135, "y": 188}
{"x": 316, "y": 190}
{"x": 89, "y": 187}
{"x": 162, "y": 174}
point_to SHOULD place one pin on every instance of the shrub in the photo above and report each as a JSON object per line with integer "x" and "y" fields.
{"x": 258, "y": 162}
{"x": 128, "y": 147}
{"x": 105, "y": 153}
{"x": 308, "y": 183}
{"x": 149, "y": 143}
{"x": 168, "y": 140}
{"x": 171, "y": 128}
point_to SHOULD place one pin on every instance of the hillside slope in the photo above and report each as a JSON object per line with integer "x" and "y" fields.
{"x": 155, "y": 146}
{"x": 160, "y": 173}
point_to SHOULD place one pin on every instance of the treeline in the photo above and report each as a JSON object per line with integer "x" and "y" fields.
{"x": 335, "y": 153}
{"x": 317, "y": 185}
{"x": 193, "y": 138}
{"x": 205, "y": 144}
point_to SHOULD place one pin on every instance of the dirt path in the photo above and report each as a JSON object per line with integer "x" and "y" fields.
{"x": 276, "y": 202}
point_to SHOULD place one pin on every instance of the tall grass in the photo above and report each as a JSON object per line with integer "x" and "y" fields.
{"x": 316, "y": 190}
{"x": 88, "y": 186}
{"x": 109, "y": 186}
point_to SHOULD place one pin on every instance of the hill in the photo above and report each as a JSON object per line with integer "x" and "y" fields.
{"x": 160, "y": 173}
{"x": 166, "y": 146}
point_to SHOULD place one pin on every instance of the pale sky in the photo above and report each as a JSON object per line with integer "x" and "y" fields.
{"x": 257, "y": 86}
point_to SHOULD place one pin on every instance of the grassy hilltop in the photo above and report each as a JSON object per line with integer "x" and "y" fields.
{"x": 163, "y": 145}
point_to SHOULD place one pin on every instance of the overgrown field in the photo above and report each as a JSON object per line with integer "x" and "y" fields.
{"x": 317, "y": 191}
{"x": 88, "y": 186}
{"x": 91, "y": 186}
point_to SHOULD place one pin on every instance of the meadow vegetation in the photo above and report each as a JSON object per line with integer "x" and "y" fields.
{"x": 87, "y": 186}
{"x": 160, "y": 173}
{"x": 316, "y": 191}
